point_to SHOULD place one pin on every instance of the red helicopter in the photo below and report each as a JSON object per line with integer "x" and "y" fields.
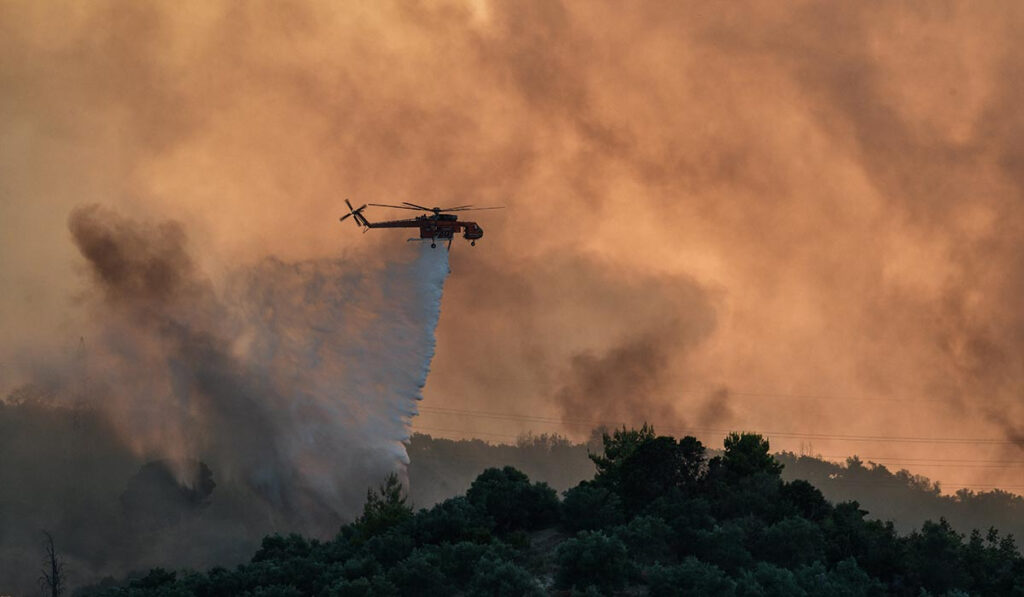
{"x": 440, "y": 224}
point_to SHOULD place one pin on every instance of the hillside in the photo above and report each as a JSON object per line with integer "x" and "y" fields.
{"x": 443, "y": 468}
{"x": 659, "y": 517}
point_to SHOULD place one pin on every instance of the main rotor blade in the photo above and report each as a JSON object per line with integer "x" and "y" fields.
{"x": 398, "y": 206}
{"x": 417, "y": 206}
{"x": 473, "y": 208}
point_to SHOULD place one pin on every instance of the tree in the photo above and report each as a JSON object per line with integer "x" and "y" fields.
{"x": 747, "y": 454}
{"x": 618, "y": 446}
{"x": 765, "y": 580}
{"x": 588, "y": 506}
{"x": 592, "y": 559}
{"x": 509, "y": 498}
{"x": 384, "y": 508}
{"x": 52, "y": 579}
{"x": 689, "y": 577}
{"x": 793, "y": 541}
{"x": 693, "y": 461}
{"x": 452, "y": 520}
{"x": 501, "y": 578}
{"x": 648, "y": 539}
{"x": 935, "y": 557}
{"x": 652, "y": 469}
{"x": 807, "y": 500}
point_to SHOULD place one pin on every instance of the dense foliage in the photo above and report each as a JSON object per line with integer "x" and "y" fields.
{"x": 659, "y": 518}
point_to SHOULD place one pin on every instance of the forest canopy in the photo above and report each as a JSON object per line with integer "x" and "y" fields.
{"x": 659, "y": 517}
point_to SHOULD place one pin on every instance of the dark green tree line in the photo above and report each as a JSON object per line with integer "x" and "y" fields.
{"x": 658, "y": 517}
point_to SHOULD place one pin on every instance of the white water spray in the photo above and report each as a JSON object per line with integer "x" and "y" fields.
{"x": 345, "y": 353}
{"x": 297, "y": 380}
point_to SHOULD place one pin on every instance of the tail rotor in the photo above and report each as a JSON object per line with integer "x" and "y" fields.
{"x": 356, "y": 214}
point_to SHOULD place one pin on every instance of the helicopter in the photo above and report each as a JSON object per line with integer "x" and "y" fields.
{"x": 441, "y": 223}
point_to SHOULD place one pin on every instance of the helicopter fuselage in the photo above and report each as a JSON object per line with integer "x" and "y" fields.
{"x": 439, "y": 226}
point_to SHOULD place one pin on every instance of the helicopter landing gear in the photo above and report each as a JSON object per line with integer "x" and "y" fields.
{"x": 433, "y": 245}
{"x": 472, "y": 243}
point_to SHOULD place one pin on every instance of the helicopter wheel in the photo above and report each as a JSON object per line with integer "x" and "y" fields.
{"x": 472, "y": 243}
{"x": 433, "y": 245}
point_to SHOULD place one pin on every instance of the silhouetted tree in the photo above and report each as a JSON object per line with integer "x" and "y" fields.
{"x": 501, "y": 578}
{"x": 747, "y": 454}
{"x": 652, "y": 469}
{"x": 452, "y": 520}
{"x": 509, "y": 498}
{"x": 618, "y": 446}
{"x": 592, "y": 559}
{"x": 384, "y": 508}
{"x": 806, "y": 500}
{"x": 589, "y": 506}
{"x": 52, "y": 579}
{"x": 935, "y": 557}
{"x": 792, "y": 542}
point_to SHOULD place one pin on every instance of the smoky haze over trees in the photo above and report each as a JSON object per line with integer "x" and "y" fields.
{"x": 808, "y": 200}
{"x": 111, "y": 511}
{"x": 658, "y": 517}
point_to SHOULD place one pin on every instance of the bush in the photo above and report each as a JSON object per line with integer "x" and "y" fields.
{"x": 592, "y": 558}
{"x": 384, "y": 508}
{"x": 846, "y": 580}
{"x": 377, "y": 586}
{"x": 508, "y": 497}
{"x": 587, "y": 507}
{"x": 723, "y": 546}
{"x": 420, "y": 574}
{"x": 460, "y": 561}
{"x": 792, "y": 542}
{"x": 452, "y": 520}
{"x": 691, "y": 577}
{"x": 390, "y": 548}
{"x": 276, "y": 547}
{"x": 274, "y": 591}
{"x": 647, "y": 538}
{"x": 501, "y": 578}
{"x": 766, "y": 580}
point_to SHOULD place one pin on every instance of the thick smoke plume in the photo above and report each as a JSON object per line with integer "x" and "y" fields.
{"x": 290, "y": 385}
{"x": 297, "y": 378}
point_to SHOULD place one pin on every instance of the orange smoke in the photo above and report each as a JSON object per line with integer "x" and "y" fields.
{"x": 812, "y": 209}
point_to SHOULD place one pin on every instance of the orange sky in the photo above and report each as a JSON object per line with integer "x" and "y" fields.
{"x": 801, "y": 218}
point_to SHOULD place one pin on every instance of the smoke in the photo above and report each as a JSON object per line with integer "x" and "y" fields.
{"x": 821, "y": 202}
{"x": 292, "y": 383}
{"x": 298, "y": 378}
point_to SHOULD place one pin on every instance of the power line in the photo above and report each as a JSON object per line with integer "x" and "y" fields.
{"x": 953, "y": 462}
{"x": 784, "y": 434}
{"x": 783, "y": 396}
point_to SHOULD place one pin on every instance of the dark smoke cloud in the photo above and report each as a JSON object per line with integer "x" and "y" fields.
{"x": 597, "y": 384}
{"x": 605, "y": 343}
{"x": 133, "y": 264}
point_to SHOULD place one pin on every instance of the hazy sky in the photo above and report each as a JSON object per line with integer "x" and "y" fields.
{"x": 799, "y": 218}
